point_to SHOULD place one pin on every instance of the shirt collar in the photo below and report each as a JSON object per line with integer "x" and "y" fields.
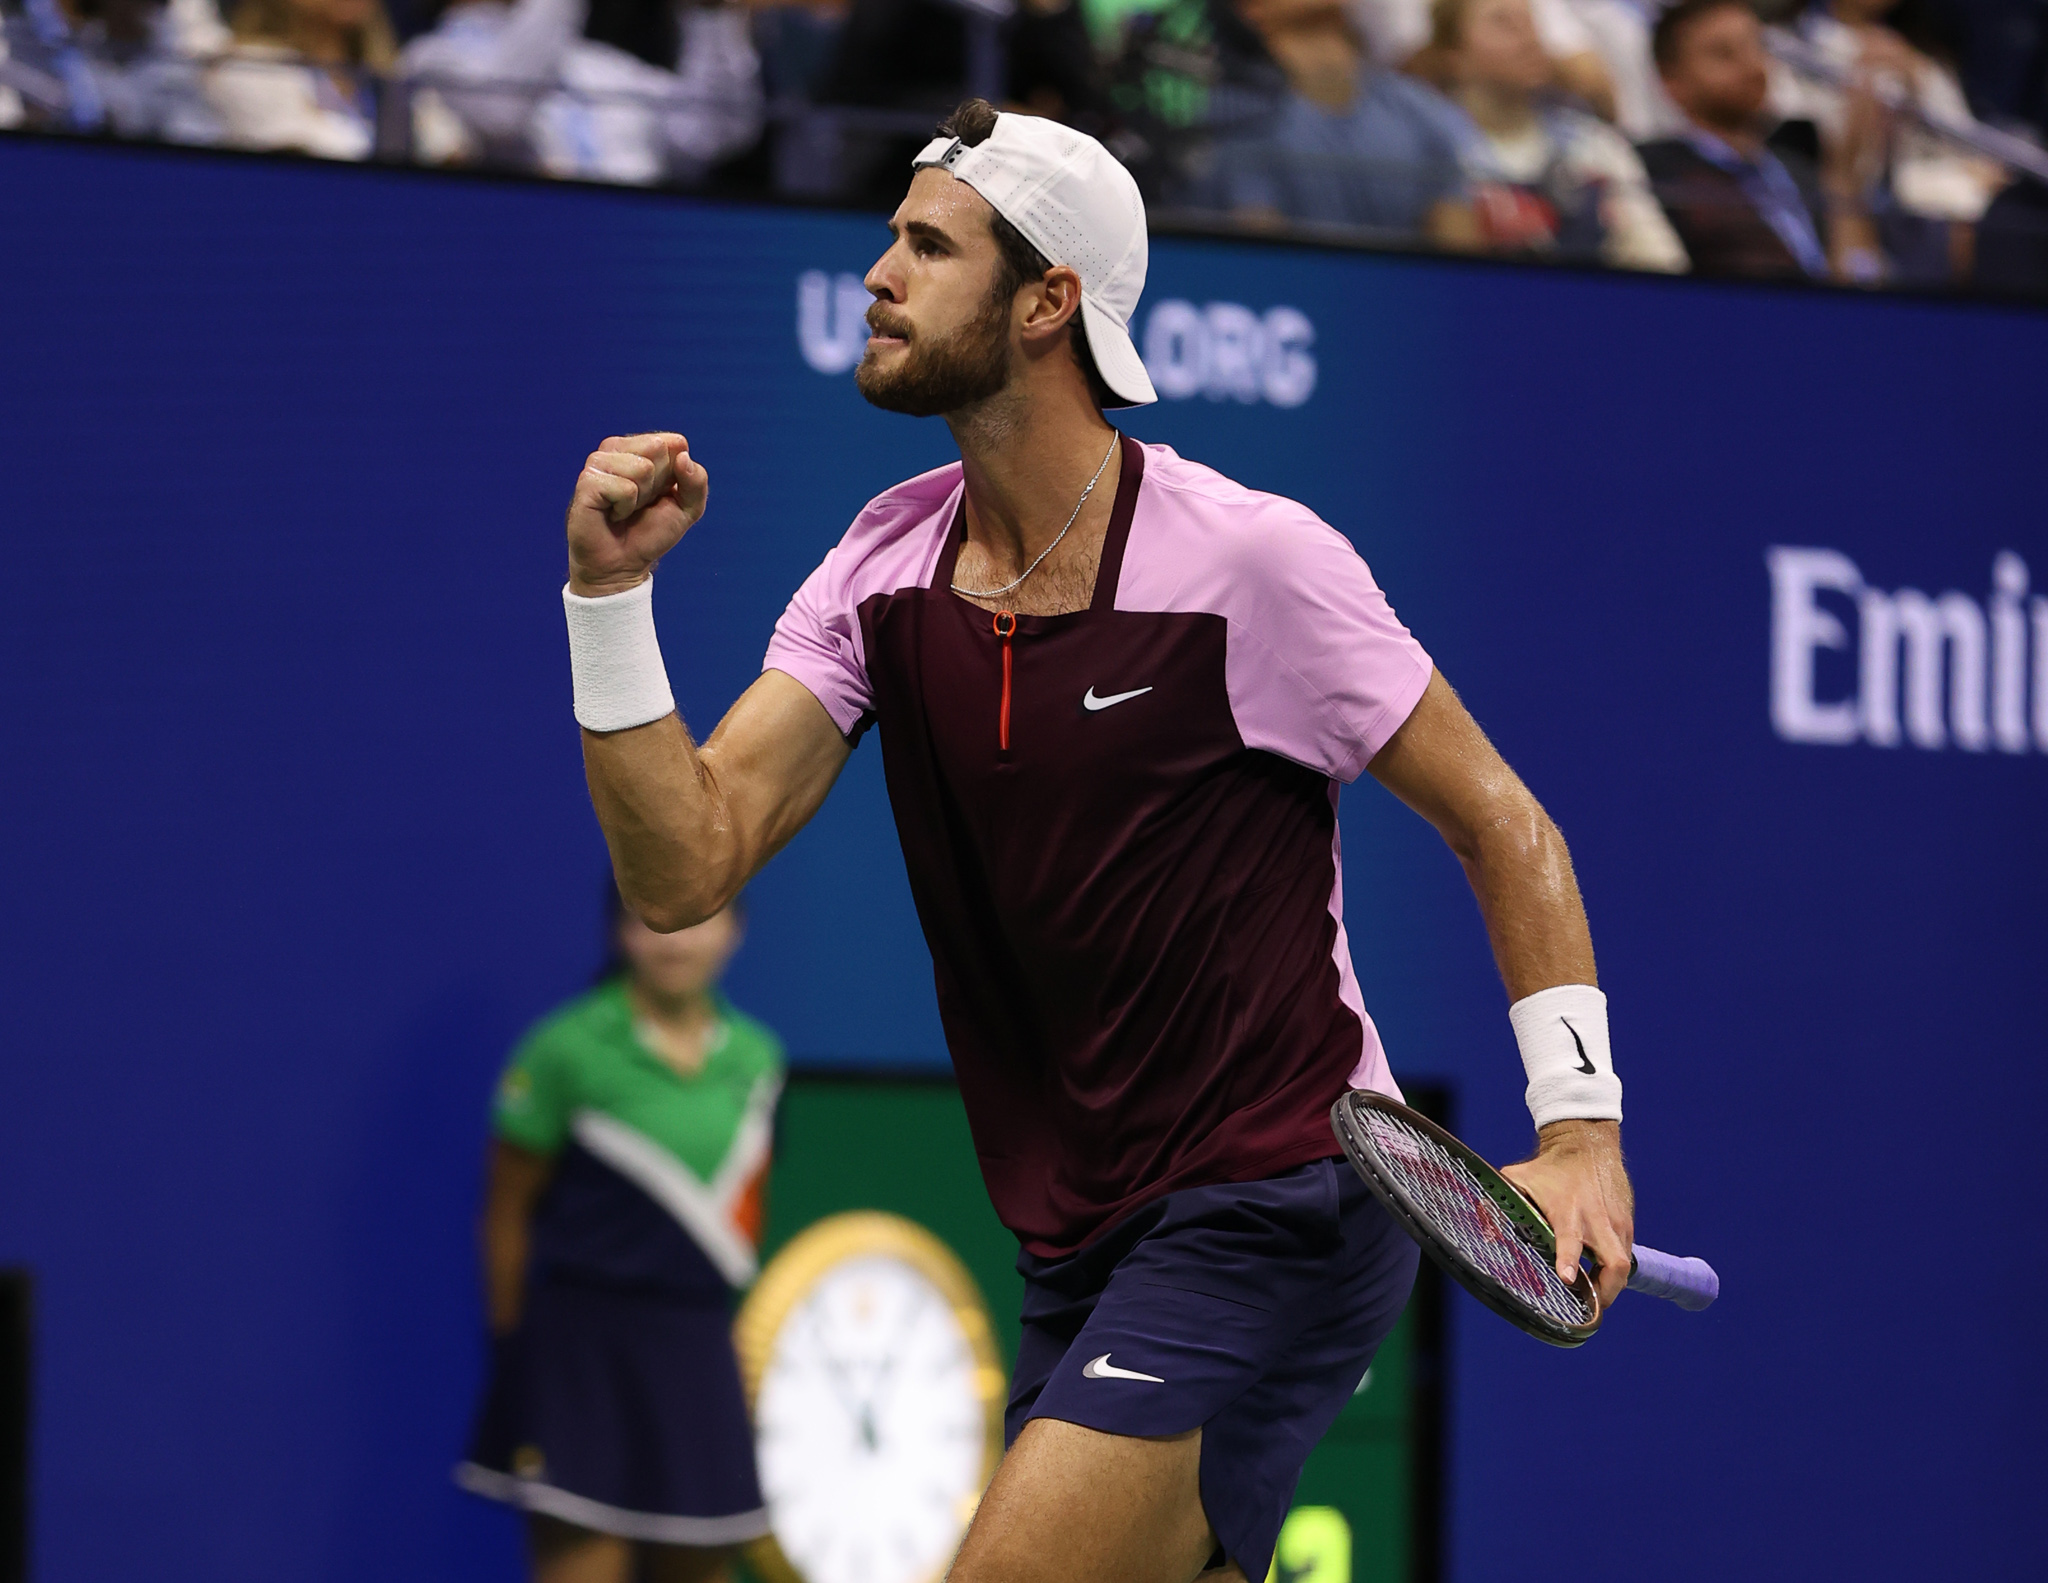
{"x": 1715, "y": 150}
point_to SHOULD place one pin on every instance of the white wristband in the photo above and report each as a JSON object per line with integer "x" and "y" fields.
{"x": 1563, "y": 1035}
{"x": 615, "y": 659}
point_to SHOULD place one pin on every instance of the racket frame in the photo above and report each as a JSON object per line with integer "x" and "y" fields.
{"x": 1526, "y": 1218}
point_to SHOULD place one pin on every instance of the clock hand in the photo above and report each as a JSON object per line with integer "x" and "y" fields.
{"x": 886, "y": 1377}
{"x": 858, "y": 1407}
{"x": 836, "y": 1371}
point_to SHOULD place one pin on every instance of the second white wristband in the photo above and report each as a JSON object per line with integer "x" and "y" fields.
{"x": 1563, "y": 1037}
{"x": 615, "y": 660}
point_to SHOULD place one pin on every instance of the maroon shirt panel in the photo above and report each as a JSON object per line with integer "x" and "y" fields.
{"x": 1128, "y": 912}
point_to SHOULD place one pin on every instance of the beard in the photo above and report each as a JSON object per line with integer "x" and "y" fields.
{"x": 943, "y": 373}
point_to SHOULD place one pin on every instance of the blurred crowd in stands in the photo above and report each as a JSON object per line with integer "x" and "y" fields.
{"x": 1867, "y": 142}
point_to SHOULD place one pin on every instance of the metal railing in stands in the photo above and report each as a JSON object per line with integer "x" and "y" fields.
{"x": 2015, "y": 153}
{"x": 61, "y": 102}
{"x": 816, "y": 132}
{"x": 69, "y": 95}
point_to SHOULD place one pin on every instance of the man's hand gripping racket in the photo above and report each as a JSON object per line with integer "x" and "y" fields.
{"x": 1486, "y": 1234}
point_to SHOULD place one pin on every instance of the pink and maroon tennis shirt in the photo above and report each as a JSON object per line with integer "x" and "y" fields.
{"x": 1124, "y": 852}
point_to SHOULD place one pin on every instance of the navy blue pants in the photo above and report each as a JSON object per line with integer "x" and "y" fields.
{"x": 1250, "y": 1310}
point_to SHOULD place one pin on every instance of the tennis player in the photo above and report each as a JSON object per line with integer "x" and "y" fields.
{"x": 1117, "y": 695}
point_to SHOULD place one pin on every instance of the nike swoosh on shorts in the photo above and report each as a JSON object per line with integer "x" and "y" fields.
{"x": 1102, "y": 1369}
{"x": 1091, "y": 703}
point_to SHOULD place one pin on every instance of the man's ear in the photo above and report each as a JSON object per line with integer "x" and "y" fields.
{"x": 1058, "y": 303}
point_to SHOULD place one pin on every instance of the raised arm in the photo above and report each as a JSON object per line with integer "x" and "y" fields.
{"x": 1441, "y": 765}
{"x": 688, "y": 826}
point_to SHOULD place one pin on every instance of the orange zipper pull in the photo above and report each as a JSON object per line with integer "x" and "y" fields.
{"x": 1005, "y": 625}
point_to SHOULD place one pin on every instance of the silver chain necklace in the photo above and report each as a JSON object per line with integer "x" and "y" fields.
{"x": 995, "y": 593}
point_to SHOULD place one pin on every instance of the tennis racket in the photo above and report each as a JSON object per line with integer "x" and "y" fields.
{"x": 1485, "y": 1234}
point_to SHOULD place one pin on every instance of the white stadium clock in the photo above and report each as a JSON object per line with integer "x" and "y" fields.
{"x": 877, "y": 1394}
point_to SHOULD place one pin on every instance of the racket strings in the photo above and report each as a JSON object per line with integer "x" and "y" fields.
{"x": 1467, "y": 1217}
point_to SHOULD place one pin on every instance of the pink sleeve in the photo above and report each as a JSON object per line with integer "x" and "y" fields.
{"x": 892, "y": 544}
{"x": 818, "y": 642}
{"x": 1319, "y": 669}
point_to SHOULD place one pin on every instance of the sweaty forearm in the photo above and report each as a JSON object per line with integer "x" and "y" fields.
{"x": 1442, "y": 766}
{"x": 1522, "y": 875}
{"x": 1521, "y": 872}
{"x": 674, "y": 842}
{"x": 688, "y": 826}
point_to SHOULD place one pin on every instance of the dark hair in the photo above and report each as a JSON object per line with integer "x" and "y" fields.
{"x": 614, "y": 961}
{"x": 973, "y": 123}
{"x": 1665, "y": 36}
{"x": 1447, "y": 23}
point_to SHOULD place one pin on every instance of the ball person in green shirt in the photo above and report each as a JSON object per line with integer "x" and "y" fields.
{"x": 624, "y": 1207}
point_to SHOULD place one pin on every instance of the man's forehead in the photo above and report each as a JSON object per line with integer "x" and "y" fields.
{"x": 938, "y": 199}
{"x": 1726, "y": 21}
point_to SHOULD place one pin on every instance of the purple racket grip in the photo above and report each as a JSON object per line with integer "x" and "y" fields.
{"x": 1690, "y": 1283}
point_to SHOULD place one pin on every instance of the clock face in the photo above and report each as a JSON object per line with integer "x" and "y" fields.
{"x": 872, "y": 1424}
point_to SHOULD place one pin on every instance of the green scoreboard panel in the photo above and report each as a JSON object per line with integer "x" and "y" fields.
{"x": 1366, "y": 1511}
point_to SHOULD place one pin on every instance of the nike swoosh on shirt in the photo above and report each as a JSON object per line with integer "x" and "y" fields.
{"x": 1585, "y": 1061}
{"x": 1091, "y": 703}
{"x": 1102, "y": 1369}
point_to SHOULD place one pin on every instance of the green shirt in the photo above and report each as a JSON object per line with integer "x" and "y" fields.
{"x": 587, "y": 1057}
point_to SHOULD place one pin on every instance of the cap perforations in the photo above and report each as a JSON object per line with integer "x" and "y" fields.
{"x": 1073, "y": 202}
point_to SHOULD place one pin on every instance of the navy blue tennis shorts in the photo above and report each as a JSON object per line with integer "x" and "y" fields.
{"x": 1248, "y": 1309}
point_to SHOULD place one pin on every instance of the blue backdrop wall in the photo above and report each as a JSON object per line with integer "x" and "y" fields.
{"x": 296, "y": 839}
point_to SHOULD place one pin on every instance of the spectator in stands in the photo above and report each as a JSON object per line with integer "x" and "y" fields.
{"x": 527, "y": 87}
{"x": 919, "y": 55}
{"x": 2000, "y": 51}
{"x": 143, "y": 70}
{"x": 1336, "y": 141}
{"x": 12, "y": 111}
{"x": 803, "y": 152}
{"x": 491, "y": 64}
{"x": 1398, "y": 33}
{"x": 1620, "y": 33}
{"x": 303, "y": 75}
{"x": 195, "y": 28}
{"x": 120, "y": 66}
{"x": 1930, "y": 191}
{"x": 44, "y": 78}
{"x": 1545, "y": 178}
{"x": 797, "y": 40}
{"x": 1169, "y": 61}
{"x": 1742, "y": 202}
{"x": 649, "y": 30}
{"x": 2012, "y": 242}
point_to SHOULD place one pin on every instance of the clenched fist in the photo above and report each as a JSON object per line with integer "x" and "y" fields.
{"x": 635, "y": 499}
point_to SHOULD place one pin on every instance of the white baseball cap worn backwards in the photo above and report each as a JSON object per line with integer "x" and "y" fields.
{"x": 1078, "y": 206}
